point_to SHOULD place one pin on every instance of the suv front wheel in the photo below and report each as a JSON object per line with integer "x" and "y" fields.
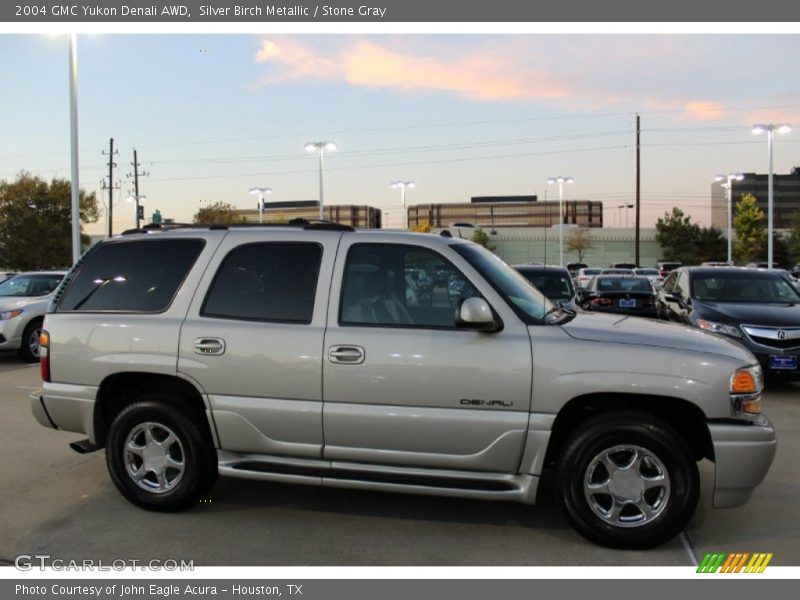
{"x": 627, "y": 480}
{"x": 160, "y": 457}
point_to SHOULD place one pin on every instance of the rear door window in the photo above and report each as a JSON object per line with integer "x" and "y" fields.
{"x": 266, "y": 281}
{"x": 131, "y": 276}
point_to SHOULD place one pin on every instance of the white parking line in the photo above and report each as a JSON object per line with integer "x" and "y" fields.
{"x": 688, "y": 547}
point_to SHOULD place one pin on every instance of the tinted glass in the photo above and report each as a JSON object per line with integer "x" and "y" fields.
{"x": 29, "y": 285}
{"x": 623, "y": 284}
{"x": 269, "y": 281}
{"x": 555, "y": 284}
{"x": 400, "y": 285}
{"x": 132, "y": 276}
{"x": 528, "y": 302}
{"x": 738, "y": 286}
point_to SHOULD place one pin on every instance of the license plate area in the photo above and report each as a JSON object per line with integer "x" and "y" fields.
{"x": 782, "y": 363}
{"x": 627, "y": 303}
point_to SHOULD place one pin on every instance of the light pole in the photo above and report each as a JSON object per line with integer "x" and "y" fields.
{"x": 770, "y": 129}
{"x": 260, "y": 191}
{"x": 402, "y": 185}
{"x": 73, "y": 132}
{"x": 136, "y": 198}
{"x": 728, "y": 187}
{"x": 320, "y": 148}
{"x": 560, "y": 180}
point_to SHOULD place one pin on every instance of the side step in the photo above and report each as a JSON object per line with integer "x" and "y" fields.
{"x": 463, "y": 484}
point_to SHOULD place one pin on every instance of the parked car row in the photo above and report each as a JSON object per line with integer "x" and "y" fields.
{"x": 758, "y": 308}
{"x": 23, "y": 303}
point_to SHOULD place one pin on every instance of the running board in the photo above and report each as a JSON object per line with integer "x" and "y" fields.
{"x": 459, "y": 484}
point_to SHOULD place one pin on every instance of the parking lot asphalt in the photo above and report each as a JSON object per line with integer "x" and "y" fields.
{"x": 54, "y": 501}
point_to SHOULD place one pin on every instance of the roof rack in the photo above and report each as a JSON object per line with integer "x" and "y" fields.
{"x": 318, "y": 225}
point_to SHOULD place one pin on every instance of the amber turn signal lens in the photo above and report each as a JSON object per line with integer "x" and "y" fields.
{"x": 44, "y": 339}
{"x": 743, "y": 383}
{"x": 752, "y": 407}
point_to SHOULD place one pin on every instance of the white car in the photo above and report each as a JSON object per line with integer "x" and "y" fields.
{"x": 23, "y": 304}
{"x": 653, "y": 275}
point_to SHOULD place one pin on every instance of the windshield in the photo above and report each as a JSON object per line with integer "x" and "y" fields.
{"x": 742, "y": 287}
{"x": 646, "y": 272}
{"x": 29, "y": 285}
{"x": 555, "y": 284}
{"x": 528, "y": 302}
{"x": 624, "y": 284}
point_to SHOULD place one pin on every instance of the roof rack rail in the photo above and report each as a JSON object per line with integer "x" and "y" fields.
{"x": 303, "y": 223}
{"x": 157, "y": 227}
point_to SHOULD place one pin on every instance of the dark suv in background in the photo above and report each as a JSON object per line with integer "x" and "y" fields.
{"x": 758, "y": 308}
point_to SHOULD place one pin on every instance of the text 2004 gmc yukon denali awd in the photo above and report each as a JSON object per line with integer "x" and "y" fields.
{"x": 388, "y": 361}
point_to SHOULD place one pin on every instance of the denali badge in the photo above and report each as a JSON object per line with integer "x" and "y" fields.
{"x": 477, "y": 402}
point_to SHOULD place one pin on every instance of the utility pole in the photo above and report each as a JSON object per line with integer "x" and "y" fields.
{"x": 638, "y": 188}
{"x": 135, "y": 176}
{"x": 110, "y": 187}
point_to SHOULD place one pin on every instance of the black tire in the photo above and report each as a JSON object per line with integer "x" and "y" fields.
{"x": 160, "y": 415}
{"x": 27, "y": 352}
{"x": 582, "y": 474}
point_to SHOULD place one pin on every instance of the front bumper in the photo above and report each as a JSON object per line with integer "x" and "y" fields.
{"x": 743, "y": 454}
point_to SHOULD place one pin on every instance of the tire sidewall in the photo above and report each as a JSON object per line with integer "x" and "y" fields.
{"x": 657, "y": 438}
{"x": 198, "y": 473}
{"x": 24, "y": 349}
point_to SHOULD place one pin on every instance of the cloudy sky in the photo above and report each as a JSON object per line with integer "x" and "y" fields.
{"x": 212, "y": 116}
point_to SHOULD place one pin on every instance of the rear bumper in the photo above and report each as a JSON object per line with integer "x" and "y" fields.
{"x": 39, "y": 411}
{"x": 66, "y": 407}
{"x": 743, "y": 454}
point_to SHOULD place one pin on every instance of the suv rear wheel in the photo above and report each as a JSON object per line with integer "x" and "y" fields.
{"x": 160, "y": 457}
{"x": 627, "y": 480}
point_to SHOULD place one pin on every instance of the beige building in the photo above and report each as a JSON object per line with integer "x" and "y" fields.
{"x": 583, "y": 213}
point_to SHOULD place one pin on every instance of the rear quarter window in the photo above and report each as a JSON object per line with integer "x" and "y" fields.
{"x": 131, "y": 276}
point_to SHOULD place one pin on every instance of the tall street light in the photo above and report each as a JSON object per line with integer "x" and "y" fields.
{"x": 402, "y": 186}
{"x": 73, "y": 132}
{"x": 728, "y": 187}
{"x": 261, "y": 192}
{"x": 136, "y": 198}
{"x": 770, "y": 129}
{"x": 626, "y": 206}
{"x": 560, "y": 180}
{"x": 320, "y": 148}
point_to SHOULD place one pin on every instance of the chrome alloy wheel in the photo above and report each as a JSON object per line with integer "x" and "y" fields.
{"x": 627, "y": 486}
{"x": 154, "y": 457}
{"x": 33, "y": 341}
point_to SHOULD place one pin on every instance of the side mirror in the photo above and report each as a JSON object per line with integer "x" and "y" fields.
{"x": 475, "y": 313}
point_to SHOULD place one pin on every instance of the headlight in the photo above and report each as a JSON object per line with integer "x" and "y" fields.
{"x": 718, "y": 328}
{"x": 10, "y": 314}
{"x": 745, "y": 390}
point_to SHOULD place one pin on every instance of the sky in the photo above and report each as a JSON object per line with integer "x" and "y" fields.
{"x": 461, "y": 115}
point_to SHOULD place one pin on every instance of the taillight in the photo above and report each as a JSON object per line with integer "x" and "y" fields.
{"x": 602, "y": 301}
{"x": 44, "y": 355}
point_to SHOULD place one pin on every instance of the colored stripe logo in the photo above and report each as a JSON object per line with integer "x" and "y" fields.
{"x": 737, "y": 562}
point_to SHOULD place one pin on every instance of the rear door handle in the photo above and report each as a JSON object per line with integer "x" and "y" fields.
{"x": 346, "y": 355}
{"x": 208, "y": 345}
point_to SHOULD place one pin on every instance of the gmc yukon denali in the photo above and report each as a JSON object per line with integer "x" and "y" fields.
{"x": 315, "y": 354}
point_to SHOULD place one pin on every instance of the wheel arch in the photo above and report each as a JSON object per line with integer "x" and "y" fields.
{"x": 122, "y": 389}
{"x": 686, "y": 418}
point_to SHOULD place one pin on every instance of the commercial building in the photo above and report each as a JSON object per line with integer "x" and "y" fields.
{"x": 487, "y": 213}
{"x": 786, "y": 197}
{"x": 366, "y": 217}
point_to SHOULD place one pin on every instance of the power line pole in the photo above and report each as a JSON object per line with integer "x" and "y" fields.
{"x": 638, "y": 188}
{"x": 136, "y": 164}
{"x": 110, "y": 187}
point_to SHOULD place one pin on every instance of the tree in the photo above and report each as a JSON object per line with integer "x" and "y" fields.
{"x": 793, "y": 241}
{"x": 678, "y": 236}
{"x": 580, "y": 242}
{"x": 36, "y": 222}
{"x": 423, "y": 227}
{"x": 751, "y": 233}
{"x": 482, "y": 238}
{"x": 220, "y": 213}
{"x": 711, "y": 245}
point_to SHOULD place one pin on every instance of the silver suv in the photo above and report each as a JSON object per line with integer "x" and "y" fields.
{"x": 296, "y": 354}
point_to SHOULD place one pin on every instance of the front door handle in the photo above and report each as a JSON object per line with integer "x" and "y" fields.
{"x": 208, "y": 345}
{"x": 346, "y": 355}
